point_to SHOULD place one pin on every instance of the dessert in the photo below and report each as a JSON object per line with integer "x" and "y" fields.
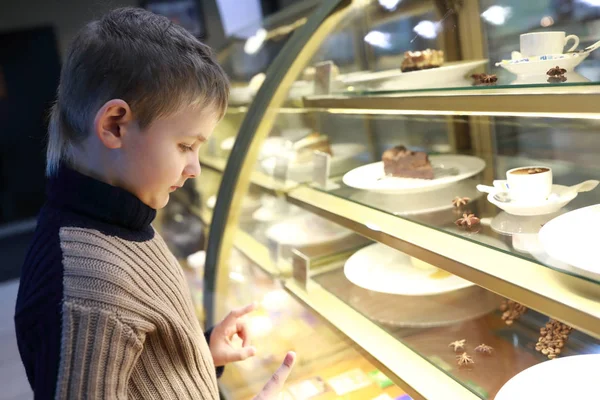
{"x": 305, "y": 147}
{"x": 418, "y": 60}
{"x": 401, "y": 162}
{"x": 434, "y": 272}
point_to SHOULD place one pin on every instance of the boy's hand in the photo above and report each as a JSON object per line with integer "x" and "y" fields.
{"x": 275, "y": 384}
{"x": 221, "y": 346}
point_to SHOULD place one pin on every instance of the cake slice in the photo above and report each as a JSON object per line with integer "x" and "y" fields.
{"x": 418, "y": 60}
{"x": 305, "y": 147}
{"x": 403, "y": 163}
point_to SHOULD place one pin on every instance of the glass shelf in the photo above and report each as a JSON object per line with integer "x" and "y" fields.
{"x": 514, "y": 346}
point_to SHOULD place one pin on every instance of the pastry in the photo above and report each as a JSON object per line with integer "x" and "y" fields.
{"x": 401, "y": 162}
{"x": 418, "y": 60}
{"x": 305, "y": 147}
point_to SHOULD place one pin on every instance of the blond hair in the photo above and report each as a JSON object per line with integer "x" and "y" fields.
{"x": 157, "y": 67}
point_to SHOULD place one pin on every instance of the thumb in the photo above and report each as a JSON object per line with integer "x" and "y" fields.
{"x": 275, "y": 384}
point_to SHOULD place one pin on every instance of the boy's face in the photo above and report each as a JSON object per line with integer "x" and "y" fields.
{"x": 159, "y": 159}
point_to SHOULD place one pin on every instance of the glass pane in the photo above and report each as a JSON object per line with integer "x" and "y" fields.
{"x": 459, "y": 319}
{"x": 465, "y": 152}
{"x": 281, "y": 324}
{"x": 383, "y": 47}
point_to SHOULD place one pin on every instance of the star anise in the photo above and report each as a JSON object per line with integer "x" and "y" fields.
{"x": 460, "y": 201}
{"x": 484, "y": 78}
{"x": 458, "y": 344}
{"x": 464, "y": 359}
{"x": 484, "y": 348}
{"x": 557, "y": 79}
{"x": 467, "y": 220}
{"x": 556, "y": 71}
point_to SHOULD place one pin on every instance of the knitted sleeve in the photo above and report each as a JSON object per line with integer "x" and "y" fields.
{"x": 99, "y": 352}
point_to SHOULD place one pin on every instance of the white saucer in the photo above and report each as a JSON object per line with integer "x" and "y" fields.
{"x": 507, "y": 224}
{"x": 552, "y": 204}
{"x": 539, "y": 65}
{"x": 574, "y": 377}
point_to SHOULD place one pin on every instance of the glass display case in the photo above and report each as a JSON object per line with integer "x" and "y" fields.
{"x": 186, "y": 220}
{"x": 411, "y": 200}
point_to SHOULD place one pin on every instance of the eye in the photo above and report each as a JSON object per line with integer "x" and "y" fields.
{"x": 185, "y": 147}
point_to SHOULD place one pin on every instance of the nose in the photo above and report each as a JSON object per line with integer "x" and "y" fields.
{"x": 192, "y": 169}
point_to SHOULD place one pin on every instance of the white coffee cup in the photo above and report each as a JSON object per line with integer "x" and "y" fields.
{"x": 543, "y": 43}
{"x": 529, "y": 187}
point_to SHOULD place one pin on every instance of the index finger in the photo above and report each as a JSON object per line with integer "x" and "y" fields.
{"x": 240, "y": 312}
{"x": 275, "y": 384}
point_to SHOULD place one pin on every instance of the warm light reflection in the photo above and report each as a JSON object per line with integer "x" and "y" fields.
{"x": 497, "y": 15}
{"x": 373, "y": 227}
{"x": 255, "y": 42}
{"x": 427, "y": 29}
{"x": 547, "y": 21}
{"x": 378, "y": 39}
{"x": 593, "y": 3}
{"x": 389, "y": 4}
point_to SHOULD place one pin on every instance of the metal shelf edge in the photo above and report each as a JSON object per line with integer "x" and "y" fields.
{"x": 410, "y": 371}
{"x": 534, "y": 285}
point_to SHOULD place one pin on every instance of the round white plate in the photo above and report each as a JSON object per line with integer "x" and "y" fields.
{"x": 574, "y": 377}
{"x": 343, "y": 154}
{"x": 527, "y": 67}
{"x": 382, "y": 269}
{"x": 419, "y": 203}
{"x": 306, "y": 230}
{"x": 368, "y": 176}
{"x": 397, "y": 80}
{"x": 573, "y": 239}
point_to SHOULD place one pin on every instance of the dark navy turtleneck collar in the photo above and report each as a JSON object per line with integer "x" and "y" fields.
{"x": 82, "y": 194}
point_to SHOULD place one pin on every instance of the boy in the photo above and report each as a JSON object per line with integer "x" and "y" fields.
{"x": 103, "y": 310}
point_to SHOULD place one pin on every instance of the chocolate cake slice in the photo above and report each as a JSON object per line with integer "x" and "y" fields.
{"x": 418, "y": 60}
{"x": 403, "y": 163}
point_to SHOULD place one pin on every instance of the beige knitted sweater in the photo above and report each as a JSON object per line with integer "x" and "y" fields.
{"x": 129, "y": 328}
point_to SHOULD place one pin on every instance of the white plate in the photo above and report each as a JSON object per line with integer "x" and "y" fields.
{"x": 343, "y": 154}
{"x": 552, "y": 204}
{"x": 574, "y": 377}
{"x": 419, "y": 203}
{"x": 306, "y": 230}
{"x": 368, "y": 176}
{"x": 397, "y": 80}
{"x": 573, "y": 239}
{"x": 538, "y": 66}
{"x": 385, "y": 270}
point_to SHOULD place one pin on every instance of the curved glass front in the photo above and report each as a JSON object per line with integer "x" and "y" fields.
{"x": 337, "y": 198}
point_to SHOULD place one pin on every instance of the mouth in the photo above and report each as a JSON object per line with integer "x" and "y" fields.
{"x": 174, "y": 188}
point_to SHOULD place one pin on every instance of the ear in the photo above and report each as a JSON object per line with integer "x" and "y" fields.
{"x": 112, "y": 121}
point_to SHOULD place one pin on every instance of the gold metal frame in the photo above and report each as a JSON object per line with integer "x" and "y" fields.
{"x": 260, "y": 135}
{"x": 551, "y": 102}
